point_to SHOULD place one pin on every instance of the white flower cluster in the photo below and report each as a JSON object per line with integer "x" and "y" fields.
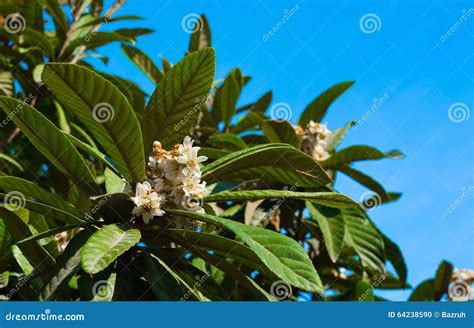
{"x": 314, "y": 140}
{"x": 173, "y": 181}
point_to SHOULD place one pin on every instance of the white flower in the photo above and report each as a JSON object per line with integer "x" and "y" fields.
{"x": 194, "y": 187}
{"x": 319, "y": 153}
{"x": 148, "y": 202}
{"x": 317, "y": 128}
{"x": 188, "y": 156}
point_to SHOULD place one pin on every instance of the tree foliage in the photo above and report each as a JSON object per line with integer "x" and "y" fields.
{"x": 76, "y": 149}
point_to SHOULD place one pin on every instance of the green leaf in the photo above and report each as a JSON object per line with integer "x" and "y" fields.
{"x": 365, "y": 239}
{"x": 318, "y": 108}
{"x": 7, "y": 86}
{"x": 178, "y": 99}
{"x": 330, "y": 199}
{"x": 94, "y": 100}
{"x": 271, "y": 162}
{"x": 281, "y": 131}
{"x": 225, "y": 99}
{"x": 227, "y": 141}
{"x": 51, "y": 142}
{"x": 68, "y": 264}
{"x": 164, "y": 282}
{"x": 109, "y": 19}
{"x": 336, "y": 137}
{"x": 96, "y": 39}
{"x": 250, "y": 121}
{"x": 201, "y": 36}
{"x": 30, "y": 189}
{"x": 359, "y": 153}
{"x": 92, "y": 151}
{"x": 425, "y": 291}
{"x": 282, "y": 255}
{"x": 51, "y": 212}
{"x": 221, "y": 245}
{"x": 143, "y": 62}
{"x": 38, "y": 40}
{"x": 331, "y": 224}
{"x": 260, "y": 105}
{"x": 364, "y": 180}
{"x": 59, "y": 17}
{"x": 34, "y": 253}
{"x": 395, "y": 256}
{"x": 12, "y": 161}
{"x": 442, "y": 279}
{"x": 105, "y": 245}
{"x": 49, "y": 232}
{"x": 113, "y": 183}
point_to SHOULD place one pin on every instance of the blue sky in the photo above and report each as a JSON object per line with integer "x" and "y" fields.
{"x": 405, "y": 57}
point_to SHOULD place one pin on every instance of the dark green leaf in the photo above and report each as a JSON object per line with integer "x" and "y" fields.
{"x": 282, "y": 255}
{"x": 359, "y": 153}
{"x": 50, "y": 141}
{"x": 273, "y": 162}
{"x": 318, "y": 108}
{"x": 178, "y": 99}
{"x": 104, "y": 110}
